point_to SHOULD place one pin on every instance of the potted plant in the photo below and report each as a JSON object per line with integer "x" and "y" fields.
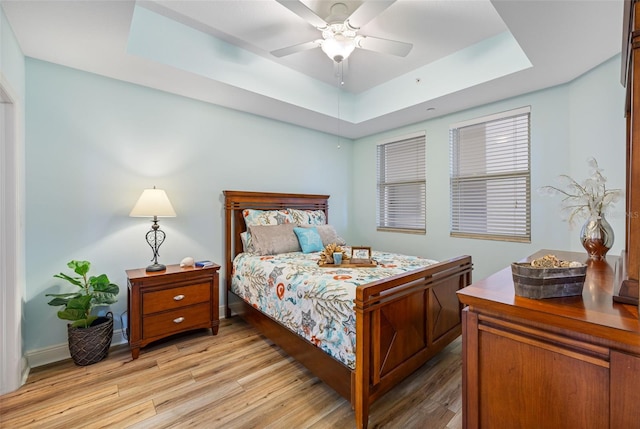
{"x": 89, "y": 335}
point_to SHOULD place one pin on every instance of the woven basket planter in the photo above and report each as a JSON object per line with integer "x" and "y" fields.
{"x": 91, "y": 345}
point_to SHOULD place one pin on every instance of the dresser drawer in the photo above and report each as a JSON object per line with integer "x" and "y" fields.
{"x": 175, "y": 297}
{"x": 163, "y": 324}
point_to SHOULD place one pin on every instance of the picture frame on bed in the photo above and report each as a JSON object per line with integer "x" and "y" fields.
{"x": 360, "y": 255}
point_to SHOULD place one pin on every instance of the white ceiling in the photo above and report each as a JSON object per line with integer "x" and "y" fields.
{"x": 465, "y": 53}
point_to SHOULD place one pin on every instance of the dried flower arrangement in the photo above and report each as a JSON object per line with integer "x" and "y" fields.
{"x": 326, "y": 256}
{"x": 589, "y": 199}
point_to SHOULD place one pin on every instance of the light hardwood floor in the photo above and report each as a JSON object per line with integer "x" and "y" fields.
{"x": 236, "y": 379}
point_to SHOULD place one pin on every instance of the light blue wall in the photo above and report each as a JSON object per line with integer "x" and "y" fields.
{"x": 569, "y": 123}
{"x": 93, "y": 145}
{"x": 597, "y": 124}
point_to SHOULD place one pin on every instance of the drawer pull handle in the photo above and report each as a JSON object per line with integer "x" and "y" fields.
{"x": 178, "y": 297}
{"x": 178, "y": 320}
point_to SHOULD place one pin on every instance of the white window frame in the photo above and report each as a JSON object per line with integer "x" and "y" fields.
{"x": 490, "y": 177}
{"x": 401, "y": 184}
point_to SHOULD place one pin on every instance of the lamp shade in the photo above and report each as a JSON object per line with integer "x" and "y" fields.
{"x": 153, "y": 202}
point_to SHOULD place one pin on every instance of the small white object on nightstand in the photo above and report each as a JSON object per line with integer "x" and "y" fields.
{"x": 187, "y": 262}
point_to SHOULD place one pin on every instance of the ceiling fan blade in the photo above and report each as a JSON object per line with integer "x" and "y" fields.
{"x": 295, "y": 48}
{"x": 367, "y": 11}
{"x": 393, "y": 47}
{"x": 303, "y": 12}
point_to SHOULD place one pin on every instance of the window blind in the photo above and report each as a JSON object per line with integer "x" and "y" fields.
{"x": 401, "y": 185}
{"x": 490, "y": 177}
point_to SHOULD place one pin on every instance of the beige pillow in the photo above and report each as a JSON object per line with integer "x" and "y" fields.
{"x": 274, "y": 239}
{"x": 328, "y": 234}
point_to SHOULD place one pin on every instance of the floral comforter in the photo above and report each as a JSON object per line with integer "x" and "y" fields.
{"x": 314, "y": 302}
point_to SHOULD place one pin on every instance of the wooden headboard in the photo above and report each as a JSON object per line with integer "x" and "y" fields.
{"x": 236, "y": 201}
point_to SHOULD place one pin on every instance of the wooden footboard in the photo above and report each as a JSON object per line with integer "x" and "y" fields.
{"x": 401, "y": 322}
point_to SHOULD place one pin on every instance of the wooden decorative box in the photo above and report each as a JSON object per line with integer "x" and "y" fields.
{"x": 540, "y": 283}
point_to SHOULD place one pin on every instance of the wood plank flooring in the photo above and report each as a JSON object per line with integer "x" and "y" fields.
{"x": 236, "y": 379}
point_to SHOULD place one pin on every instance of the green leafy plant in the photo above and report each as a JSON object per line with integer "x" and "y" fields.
{"x": 93, "y": 291}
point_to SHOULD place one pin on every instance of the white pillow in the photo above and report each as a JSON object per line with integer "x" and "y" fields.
{"x": 266, "y": 217}
{"x": 308, "y": 217}
{"x": 247, "y": 245}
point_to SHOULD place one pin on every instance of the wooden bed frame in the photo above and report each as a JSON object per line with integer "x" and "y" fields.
{"x": 401, "y": 322}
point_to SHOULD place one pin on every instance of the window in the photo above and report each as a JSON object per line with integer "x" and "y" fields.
{"x": 402, "y": 185}
{"x": 490, "y": 177}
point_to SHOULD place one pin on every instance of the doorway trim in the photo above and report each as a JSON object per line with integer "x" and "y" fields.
{"x": 13, "y": 365}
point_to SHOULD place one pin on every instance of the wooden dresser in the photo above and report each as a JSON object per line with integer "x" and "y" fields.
{"x": 167, "y": 302}
{"x": 571, "y": 362}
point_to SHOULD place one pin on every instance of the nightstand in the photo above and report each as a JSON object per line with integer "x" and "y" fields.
{"x": 168, "y": 302}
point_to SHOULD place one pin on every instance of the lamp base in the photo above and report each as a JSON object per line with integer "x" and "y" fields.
{"x": 156, "y": 267}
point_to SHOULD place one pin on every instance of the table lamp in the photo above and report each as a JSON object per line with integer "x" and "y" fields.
{"x": 154, "y": 203}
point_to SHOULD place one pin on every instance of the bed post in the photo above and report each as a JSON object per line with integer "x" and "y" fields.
{"x": 360, "y": 400}
{"x": 227, "y": 250}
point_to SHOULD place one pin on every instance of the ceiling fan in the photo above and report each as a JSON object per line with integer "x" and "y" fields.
{"x": 340, "y": 31}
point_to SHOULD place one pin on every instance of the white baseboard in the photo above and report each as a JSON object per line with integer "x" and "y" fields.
{"x": 60, "y": 352}
{"x": 25, "y": 370}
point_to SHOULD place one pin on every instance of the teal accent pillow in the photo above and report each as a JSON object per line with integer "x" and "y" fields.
{"x": 309, "y": 239}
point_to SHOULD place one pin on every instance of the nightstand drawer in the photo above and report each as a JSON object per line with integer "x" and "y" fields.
{"x": 176, "y": 297}
{"x": 176, "y": 320}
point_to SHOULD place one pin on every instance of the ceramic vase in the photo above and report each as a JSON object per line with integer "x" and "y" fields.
{"x": 597, "y": 237}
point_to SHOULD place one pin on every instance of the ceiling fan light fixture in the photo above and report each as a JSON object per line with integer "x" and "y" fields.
{"x": 339, "y": 33}
{"x": 338, "y": 49}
